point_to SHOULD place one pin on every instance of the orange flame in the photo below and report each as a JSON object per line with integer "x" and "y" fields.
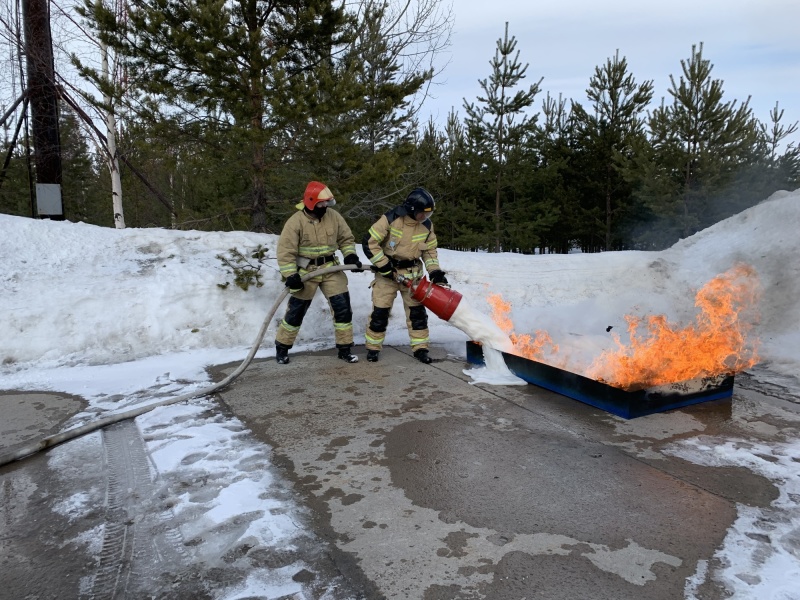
{"x": 525, "y": 345}
{"x": 716, "y": 344}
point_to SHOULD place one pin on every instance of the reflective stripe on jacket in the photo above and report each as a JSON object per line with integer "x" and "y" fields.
{"x": 305, "y": 236}
{"x": 400, "y": 237}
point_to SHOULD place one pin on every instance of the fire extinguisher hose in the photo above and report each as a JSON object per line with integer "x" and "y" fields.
{"x": 70, "y": 434}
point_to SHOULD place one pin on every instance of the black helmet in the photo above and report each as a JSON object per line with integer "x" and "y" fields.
{"x": 419, "y": 200}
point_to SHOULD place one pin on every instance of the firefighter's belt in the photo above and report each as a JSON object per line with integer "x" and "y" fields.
{"x": 403, "y": 264}
{"x": 321, "y": 260}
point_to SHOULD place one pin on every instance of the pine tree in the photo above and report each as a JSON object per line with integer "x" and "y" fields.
{"x": 384, "y": 116}
{"x": 231, "y": 63}
{"x": 784, "y": 168}
{"x": 764, "y": 172}
{"x": 492, "y": 127}
{"x": 363, "y": 145}
{"x": 699, "y": 145}
{"x": 457, "y": 181}
{"x": 15, "y": 181}
{"x": 555, "y": 174}
{"x": 84, "y": 198}
{"x": 607, "y": 137}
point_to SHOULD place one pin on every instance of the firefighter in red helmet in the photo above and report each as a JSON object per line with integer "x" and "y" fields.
{"x": 402, "y": 242}
{"x": 308, "y": 243}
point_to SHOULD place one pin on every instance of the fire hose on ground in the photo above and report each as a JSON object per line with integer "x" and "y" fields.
{"x": 440, "y": 300}
{"x": 70, "y": 434}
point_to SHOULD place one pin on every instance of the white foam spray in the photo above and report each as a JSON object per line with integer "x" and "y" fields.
{"x": 481, "y": 328}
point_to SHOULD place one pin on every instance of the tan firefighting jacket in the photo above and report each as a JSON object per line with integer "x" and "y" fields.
{"x": 304, "y": 237}
{"x": 398, "y": 237}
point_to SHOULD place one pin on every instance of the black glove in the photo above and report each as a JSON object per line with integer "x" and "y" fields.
{"x": 294, "y": 284}
{"x": 438, "y": 277}
{"x": 352, "y": 259}
{"x": 387, "y": 271}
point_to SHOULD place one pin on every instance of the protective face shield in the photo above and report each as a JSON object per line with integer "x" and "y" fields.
{"x": 419, "y": 204}
{"x": 325, "y": 203}
{"x": 423, "y": 216}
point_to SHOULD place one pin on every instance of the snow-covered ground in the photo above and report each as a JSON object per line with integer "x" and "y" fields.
{"x": 119, "y": 316}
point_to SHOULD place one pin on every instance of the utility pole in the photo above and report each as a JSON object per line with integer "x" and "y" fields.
{"x": 43, "y": 97}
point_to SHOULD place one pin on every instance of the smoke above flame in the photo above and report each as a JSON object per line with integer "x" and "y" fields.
{"x": 658, "y": 352}
{"x": 525, "y": 345}
{"x": 717, "y": 343}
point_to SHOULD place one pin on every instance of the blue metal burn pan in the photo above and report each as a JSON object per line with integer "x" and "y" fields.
{"x": 624, "y": 403}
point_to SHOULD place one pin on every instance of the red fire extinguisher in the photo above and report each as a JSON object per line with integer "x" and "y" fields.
{"x": 440, "y": 300}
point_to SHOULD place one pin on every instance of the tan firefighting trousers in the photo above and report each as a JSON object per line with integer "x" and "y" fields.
{"x": 331, "y": 284}
{"x": 384, "y": 291}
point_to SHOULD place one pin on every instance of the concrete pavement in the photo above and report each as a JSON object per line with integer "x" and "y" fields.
{"x": 423, "y": 486}
{"x": 32, "y": 416}
{"x": 431, "y": 487}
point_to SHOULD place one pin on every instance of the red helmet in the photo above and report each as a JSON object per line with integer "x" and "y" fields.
{"x": 317, "y": 192}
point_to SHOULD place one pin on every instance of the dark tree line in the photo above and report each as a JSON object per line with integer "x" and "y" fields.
{"x": 611, "y": 175}
{"x": 231, "y": 107}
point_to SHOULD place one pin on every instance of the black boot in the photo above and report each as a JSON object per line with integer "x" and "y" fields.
{"x": 347, "y": 356}
{"x": 422, "y": 356}
{"x": 373, "y": 355}
{"x": 281, "y": 353}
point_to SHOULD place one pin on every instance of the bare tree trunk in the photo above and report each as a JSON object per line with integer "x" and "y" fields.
{"x": 111, "y": 142}
{"x": 497, "y": 245}
{"x": 258, "y": 205}
{"x": 498, "y": 183}
{"x": 608, "y": 208}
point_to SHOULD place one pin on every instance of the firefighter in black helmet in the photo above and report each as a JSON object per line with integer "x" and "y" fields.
{"x": 402, "y": 242}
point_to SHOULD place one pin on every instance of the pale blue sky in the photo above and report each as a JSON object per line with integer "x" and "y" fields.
{"x": 754, "y": 46}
